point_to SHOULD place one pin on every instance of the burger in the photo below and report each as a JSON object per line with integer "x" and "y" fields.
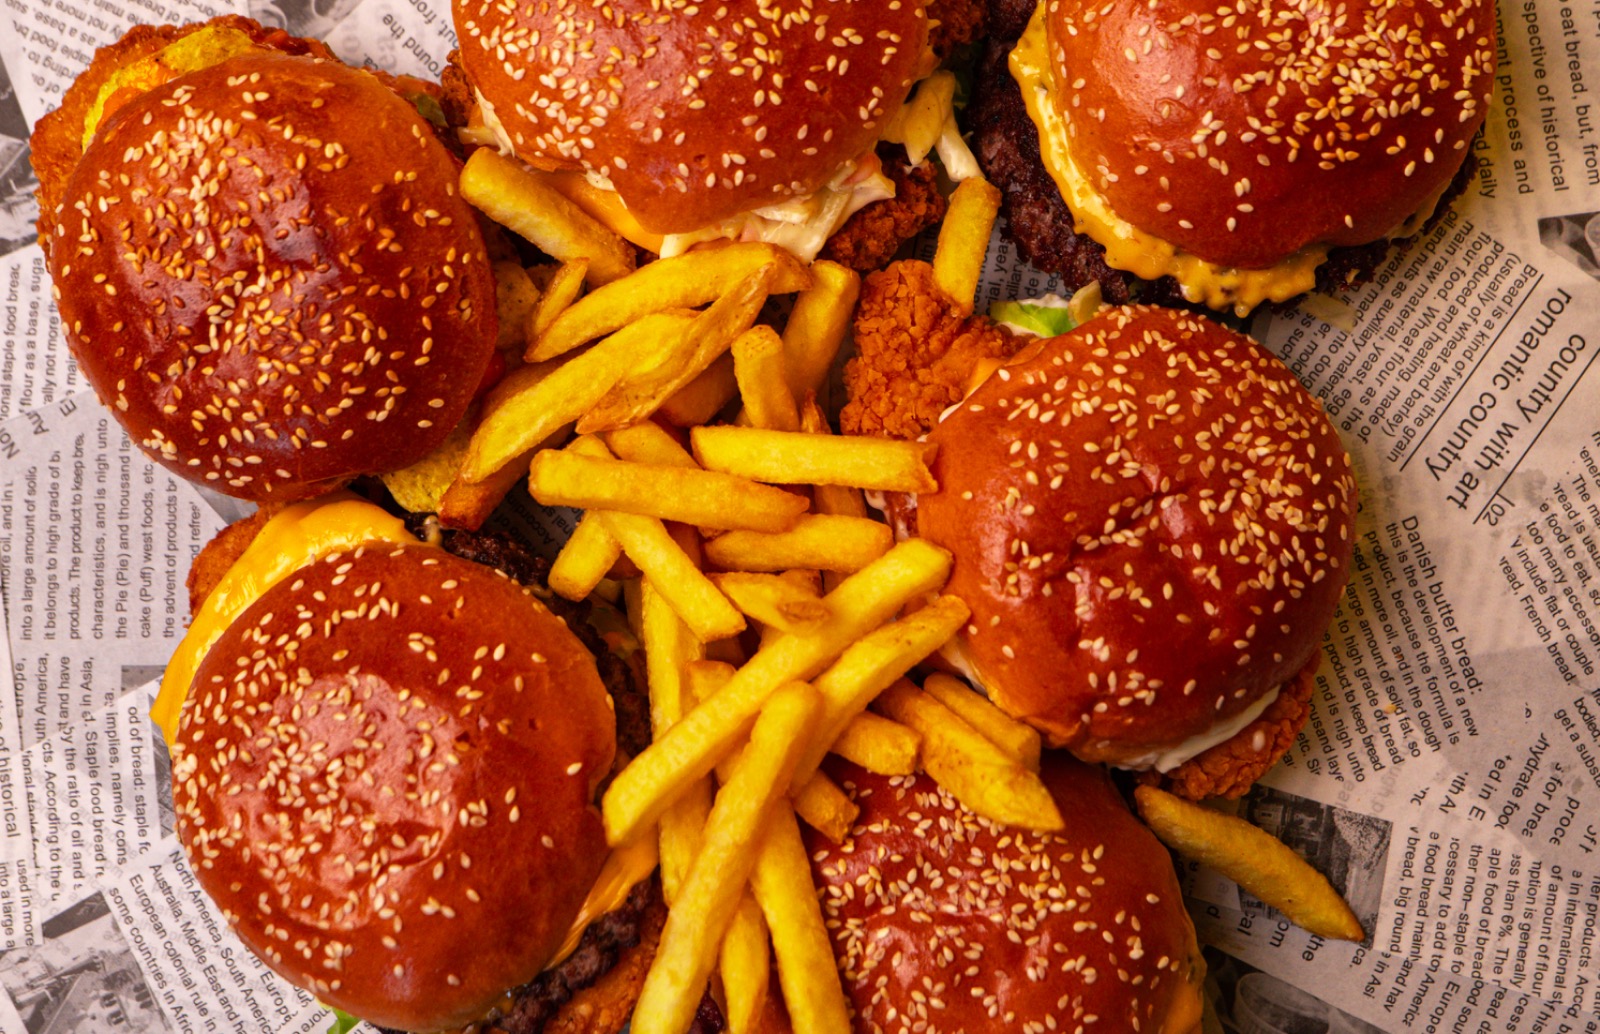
{"x": 750, "y": 119}
{"x": 260, "y": 258}
{"x": 943, "y": 921}
{"x": 1232, "y": 157}
{"x": 386, "y": 756}
{"x": 1151, "y": 521}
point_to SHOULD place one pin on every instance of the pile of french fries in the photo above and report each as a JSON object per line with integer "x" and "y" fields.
{"x": 779, "y": 621}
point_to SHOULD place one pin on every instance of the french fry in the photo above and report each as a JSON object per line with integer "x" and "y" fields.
{"x": 825, "y": 808}
{"x": 649, "y": 442}
{"x": 584, "y": 560}
{"x": 515, "y": 297}
{"x": 872, "y": 664}
{"x": 686, "y": 281}
{"x": 515, "y": 198}
{"x": 648, "y": 384}
{"x": 984, "y": 778}
{"x": 839, "y": 500}
{"x": 791, "y": 458}
{"x": 646, "y": 542}
{"x": 691, "y": 748}
{"x": 605, "y": 205}
{"x": 1254, "y": 859}
{"x": 879, "y": 745}
{"x": 746, "y": 965}
{"x": 534, "y": 401}
{"x": 818, "y": 541}
{"x": 467, "y": 504}
{"x": 964, "y": 241}
{"x": 817, "y": 326}
{"x": 687, "y": 952}
{"x": 700, "y": 400}
{"x": 560, "y": 291}
{"x": 700, "y": 497}
{"x": 758, "y": 367}
{"x": 670, "y": 649}
{"x": 773, "y": 600}
{"x": 1019, "y": 740}
{"x": 807, "y": 971}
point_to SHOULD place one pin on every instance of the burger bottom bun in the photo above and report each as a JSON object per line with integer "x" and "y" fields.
{"x": 943, "y": 921}
{"x": 410, "y": 746}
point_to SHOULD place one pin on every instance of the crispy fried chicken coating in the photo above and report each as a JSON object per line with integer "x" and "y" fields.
{"x": 915, "y": 353}
{"x": 1229, "y": 769}
{"x": 870, "y": 238}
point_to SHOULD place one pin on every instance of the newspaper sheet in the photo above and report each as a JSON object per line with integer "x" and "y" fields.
{"x": 1448, "y": 781}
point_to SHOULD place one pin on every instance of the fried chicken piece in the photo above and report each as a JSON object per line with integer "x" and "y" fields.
{"x": 870, "y": 238}
{"x": 915, "y": 353}
{"x": 1230, "y": 768}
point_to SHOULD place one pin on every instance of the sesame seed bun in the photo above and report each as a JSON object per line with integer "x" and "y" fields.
{"x": 265, "y": 270}
{"x": 694, "y": 112}
{"x": 1152, "y": 523}
{"x": 385, "y": 777}
{"x": 944, "y": 922}
{"x": 1243, "y": 133}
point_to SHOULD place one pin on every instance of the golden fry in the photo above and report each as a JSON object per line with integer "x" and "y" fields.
{"x": 796, "y": 458}
{"x": 647, "y": 386}
{"x": 649, "y": 442}
{"x": 1021, "y": 741}
{"x": 879, "y": 745}
{"x": 758, "y": 367}
{"x": 1254, "y": 859}
{"x": 746, "y": 966}
{"x": 560, "y": 291}
{"x": 839, "y": 500}
{"x": 533, "y": 402}
{"x": 690, "y": 749}
{"x": 701, "y": 497}
{"x": 685, "y": 281}
{"x": 873, "y": 663}
{"x": 699, "y": 401}
{"x": 646, "y": 542}
{"x": 584, "y": 560}
{"x": 818, "y": 541}
{"x": 670, "y": 650}
{"x": 515, "y": 198}
{"x": 807, "y": 971}
{"x": 964, "y": 241}
{"x": 774, "y": 600}
{"x": 817, "y": 326}
{"x": 984, "y": 778}
{"x": 825, "y": 808}
{"x": 688, "y": 949}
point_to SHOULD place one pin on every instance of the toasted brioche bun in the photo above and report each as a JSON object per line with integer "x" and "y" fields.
{"x": 264, "y": 268}
{"x": 694, "y": 113}
{"x": 1244, "y": 135}
{"x": 385, "y": 777}
{"x": 943, "y": 921}
{"x": 1152, "y": 524}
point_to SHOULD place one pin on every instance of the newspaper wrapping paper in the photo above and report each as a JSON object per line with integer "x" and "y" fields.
{"x": 1448, "y": 781}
